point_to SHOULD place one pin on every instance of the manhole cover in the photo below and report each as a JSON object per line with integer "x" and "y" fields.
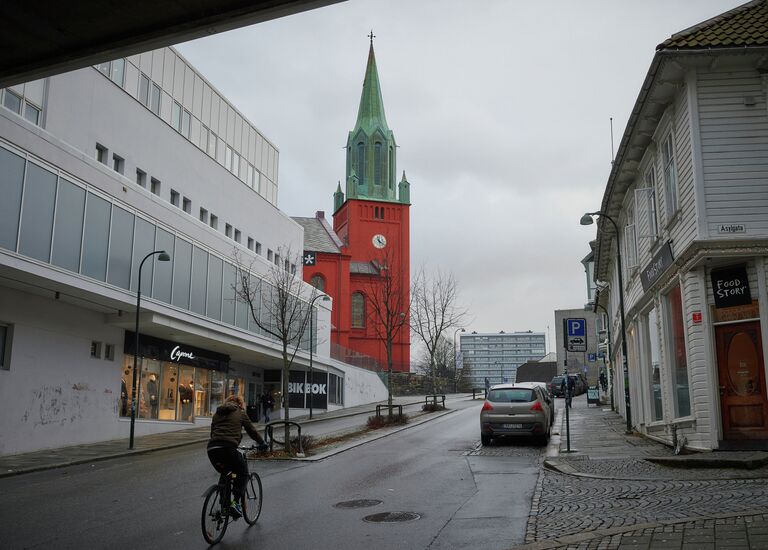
{"x": 359, "y": 503}
{"x": 392, "y": 517}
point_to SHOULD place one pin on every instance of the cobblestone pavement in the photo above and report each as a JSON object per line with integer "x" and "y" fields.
{"x": 568, "y": 504}
{"x": 605, "y": 495}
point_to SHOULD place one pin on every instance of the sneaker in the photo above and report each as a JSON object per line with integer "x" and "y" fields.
{"x": 261, "y": 447}
{"x": 236, "y": 510}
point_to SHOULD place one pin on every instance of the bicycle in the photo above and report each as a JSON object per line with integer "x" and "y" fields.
{"x": 216, "y": 506}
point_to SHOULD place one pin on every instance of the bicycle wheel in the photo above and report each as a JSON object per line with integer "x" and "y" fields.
{"x": 252, "y": 499}
{"x": 214, "y": 520}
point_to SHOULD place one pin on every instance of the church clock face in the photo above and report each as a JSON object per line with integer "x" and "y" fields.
{"x": 379, "y": 241}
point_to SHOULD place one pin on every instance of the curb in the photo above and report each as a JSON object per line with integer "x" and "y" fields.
{"x": 579, "y": 538}
{"x": 99, "y": 458}
{"x": 122, "y": 454}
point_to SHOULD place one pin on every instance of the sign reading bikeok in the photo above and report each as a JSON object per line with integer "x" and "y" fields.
{"x": 730, "y": 287}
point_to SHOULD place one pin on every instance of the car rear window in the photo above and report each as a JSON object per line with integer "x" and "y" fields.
{"x": 511, "y": 395}
{"x": 557, "y": 380}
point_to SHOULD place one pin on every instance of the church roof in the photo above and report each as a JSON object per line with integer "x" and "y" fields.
{"x": 744, "y": 26}
{"x": 319, "y": 236}
{"x": 370, "y": 114}
{"x": 363, "y": 268}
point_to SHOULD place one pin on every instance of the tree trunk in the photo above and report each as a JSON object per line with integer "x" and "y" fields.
{"x": 389, "y": 377}
{"x": 286, "y": 400}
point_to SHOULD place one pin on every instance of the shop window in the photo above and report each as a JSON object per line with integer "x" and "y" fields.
{"x": 677, "y": 352}
{"x": 358, "y": 310}
{"x": 652, "y": 363}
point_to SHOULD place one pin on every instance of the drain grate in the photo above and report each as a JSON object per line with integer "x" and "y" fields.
{"x": 392, "y": 517}
{"x": 359, "y": 503}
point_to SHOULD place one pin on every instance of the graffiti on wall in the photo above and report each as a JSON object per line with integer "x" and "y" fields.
{"x": 61, "y": 405}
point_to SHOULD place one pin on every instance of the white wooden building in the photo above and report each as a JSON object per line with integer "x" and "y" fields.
{"x": 689, "y": 193}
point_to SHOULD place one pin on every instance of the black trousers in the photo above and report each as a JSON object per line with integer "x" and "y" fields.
{"x": 228, "y": 459}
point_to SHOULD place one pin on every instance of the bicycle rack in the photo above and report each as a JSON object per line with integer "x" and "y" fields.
{"x": 270, "y": 436}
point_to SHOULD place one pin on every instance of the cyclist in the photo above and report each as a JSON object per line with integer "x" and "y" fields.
{"x": 226, "y": 434}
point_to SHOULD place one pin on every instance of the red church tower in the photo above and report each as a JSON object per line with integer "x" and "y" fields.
{"x": 368, "y": 248}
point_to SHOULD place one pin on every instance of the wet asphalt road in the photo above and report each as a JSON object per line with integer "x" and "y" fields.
{"x": 465, "y": 498}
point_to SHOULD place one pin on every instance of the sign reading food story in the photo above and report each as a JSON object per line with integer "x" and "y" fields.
{"x": 730, "y": 287}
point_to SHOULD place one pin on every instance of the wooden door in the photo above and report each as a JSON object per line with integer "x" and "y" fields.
{"x": 741, "y": 371}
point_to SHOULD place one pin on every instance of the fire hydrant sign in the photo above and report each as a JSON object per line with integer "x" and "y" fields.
{"x": 575, "y": 334}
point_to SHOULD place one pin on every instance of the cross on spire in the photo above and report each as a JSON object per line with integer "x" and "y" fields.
{"x": 371, "y": 36}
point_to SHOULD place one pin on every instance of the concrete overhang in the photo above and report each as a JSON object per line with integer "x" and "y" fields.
{"x": 47, "y": 37}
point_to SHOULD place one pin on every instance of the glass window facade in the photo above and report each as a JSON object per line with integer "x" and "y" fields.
{"x": 49, "y": 216}
{"x": 677, "y": 353}
{"x": 169, "y": 391}
{"x": 37, "y": 226}
{"x": 653, "y": 364}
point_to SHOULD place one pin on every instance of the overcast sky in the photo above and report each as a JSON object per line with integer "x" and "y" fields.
{"x": 501, "y": 112}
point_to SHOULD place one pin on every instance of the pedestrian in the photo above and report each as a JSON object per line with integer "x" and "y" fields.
{"x": 187, "y": 397}
{"x": 568, "y": 391}
{"x": 603, "y": 381}
{"x": 267, "y": 402}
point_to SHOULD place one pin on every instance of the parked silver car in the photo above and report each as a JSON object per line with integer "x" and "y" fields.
{"x": 545, "y": 392}
{"x": 512, "y": 410}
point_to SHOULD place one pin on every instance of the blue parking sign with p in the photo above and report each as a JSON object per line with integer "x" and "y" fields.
{"x": 576, "y": 327}
{"x": 575, "y": 334}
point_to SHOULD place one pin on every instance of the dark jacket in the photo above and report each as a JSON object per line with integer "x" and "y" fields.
{"x": 228, "y": 423}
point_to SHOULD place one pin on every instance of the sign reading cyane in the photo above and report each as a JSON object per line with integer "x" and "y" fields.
{"x": 730, "y": 287}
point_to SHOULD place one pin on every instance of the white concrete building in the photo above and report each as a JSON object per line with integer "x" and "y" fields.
{"x": 496, "y": 355}
{"x": 99, "y": 167}
{"x": 689, "y": 194}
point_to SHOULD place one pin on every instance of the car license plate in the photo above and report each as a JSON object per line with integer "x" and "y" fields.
{"x": 512, "y": 426}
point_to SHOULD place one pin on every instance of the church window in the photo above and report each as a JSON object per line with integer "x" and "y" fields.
{"x": 361, "y": 162}
{"x": 358, "y": 310}
{"x": 318, "y": 281}
{"x": 377, "y": 163}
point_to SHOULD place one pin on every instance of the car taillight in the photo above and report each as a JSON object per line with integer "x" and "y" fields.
{"x": 487, "y": 406}
{"x": 537, "y": 406}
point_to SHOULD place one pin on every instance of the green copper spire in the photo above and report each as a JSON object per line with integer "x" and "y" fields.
{"x": 371, "y": 147}
{"x": 370, "y": 114}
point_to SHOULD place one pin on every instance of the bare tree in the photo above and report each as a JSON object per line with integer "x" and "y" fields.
{"x": 388, "y": 306}
{"x": 435, "y": 311}
{"x": 279, "y": 305}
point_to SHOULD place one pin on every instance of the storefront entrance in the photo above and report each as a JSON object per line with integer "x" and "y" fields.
{"x": 741, "y": 373}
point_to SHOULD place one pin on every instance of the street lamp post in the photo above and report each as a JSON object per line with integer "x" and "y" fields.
{"x": 311, "y": 342}
{"x": 456, "y": 361}
{"x": 608, "y": 351}
{"x": 163, "y": 257}
{"x": 587, "y": 219}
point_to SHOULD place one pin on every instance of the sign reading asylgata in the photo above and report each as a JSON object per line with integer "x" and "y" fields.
{"x": 657, "y": 266}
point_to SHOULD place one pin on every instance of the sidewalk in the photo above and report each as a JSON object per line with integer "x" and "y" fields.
{"x": 600, "y": 449}
{"x": 92, "y": 452}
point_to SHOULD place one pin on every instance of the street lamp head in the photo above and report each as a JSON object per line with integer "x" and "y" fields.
{"x": 586, "y": 219}
{"x": 164, "y": 257}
